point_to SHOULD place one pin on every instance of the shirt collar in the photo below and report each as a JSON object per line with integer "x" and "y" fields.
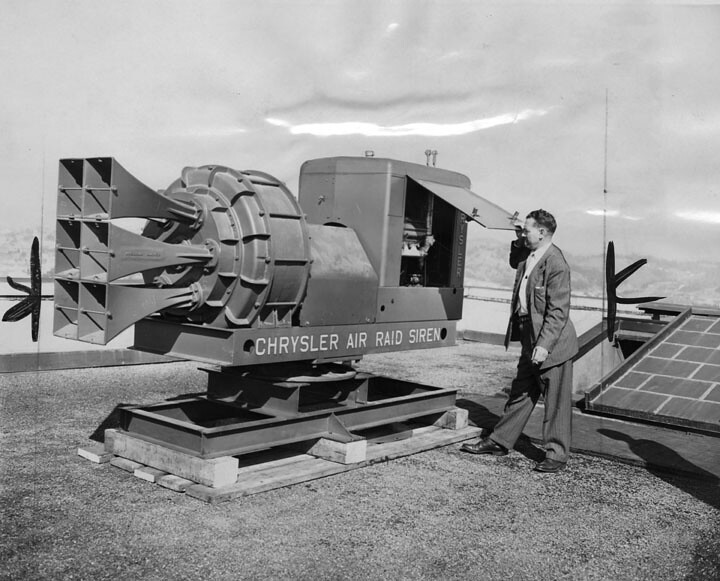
{"x": 536, "y": 255}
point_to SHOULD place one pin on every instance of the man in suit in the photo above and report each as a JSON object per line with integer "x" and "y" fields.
{"x": 540, "y": 320}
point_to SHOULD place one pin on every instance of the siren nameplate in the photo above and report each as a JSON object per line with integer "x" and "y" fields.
{"x": 256, "y": 346}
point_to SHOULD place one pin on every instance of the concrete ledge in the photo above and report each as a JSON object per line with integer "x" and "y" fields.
{"x": 482, "y": 337}
{"x": 21, "y": 362}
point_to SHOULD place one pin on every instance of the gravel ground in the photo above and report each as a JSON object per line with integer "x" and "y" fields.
{"x": 441, "y": 514}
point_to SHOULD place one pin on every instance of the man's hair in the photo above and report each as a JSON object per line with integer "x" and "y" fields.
{"x": 544, "y": 219}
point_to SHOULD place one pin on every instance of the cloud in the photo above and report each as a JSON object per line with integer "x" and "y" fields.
{"x": 392, "y": 27}
{"x": 409, "y": 129}
{"x": 389, "y": 100}
{"x": 699, "y": 216}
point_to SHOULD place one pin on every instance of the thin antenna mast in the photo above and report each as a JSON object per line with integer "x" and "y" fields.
{"x": 605, "y": 191}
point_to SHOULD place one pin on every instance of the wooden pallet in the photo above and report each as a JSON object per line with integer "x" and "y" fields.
{"x": 226, "y": 478}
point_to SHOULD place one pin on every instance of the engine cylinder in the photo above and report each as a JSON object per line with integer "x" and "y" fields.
{"x": 257, "y": 231}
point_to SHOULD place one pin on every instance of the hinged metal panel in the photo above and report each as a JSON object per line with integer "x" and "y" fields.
{"x": 473, "y": 206}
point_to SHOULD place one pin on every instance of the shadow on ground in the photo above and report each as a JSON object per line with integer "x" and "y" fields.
{"x": 112, "y": 421}
{"x": 679, "y": 472}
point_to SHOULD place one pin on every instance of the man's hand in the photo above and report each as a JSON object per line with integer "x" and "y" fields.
{"x": 518, "y": 224}
{"x": 539, "y": 355}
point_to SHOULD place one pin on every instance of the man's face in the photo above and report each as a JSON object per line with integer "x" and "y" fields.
{"x": 532, "y": 234}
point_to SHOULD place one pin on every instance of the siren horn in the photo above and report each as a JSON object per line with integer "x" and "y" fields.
{"x": 95, "y": 259}
{"x": 218, "y": 246}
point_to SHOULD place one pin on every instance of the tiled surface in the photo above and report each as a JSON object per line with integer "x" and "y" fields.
{"x": 672, "y": 385}
{"x": 701, "y": 339}
{"x": 677, "y": 382}
{"x": 714, "y": 394}
{"x": 671, "y": 367}
{"x": 632, "y": 380}
{"x": 637, "y": 401}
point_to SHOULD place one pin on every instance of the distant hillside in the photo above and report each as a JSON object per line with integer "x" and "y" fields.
{"x": 486, "y": 264}
{"x": 15, "y": 253}
{"x": 697, "y": 283}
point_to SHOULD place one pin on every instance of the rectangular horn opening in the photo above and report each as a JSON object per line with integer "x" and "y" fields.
{"x": 70, "y": 187}
{"x": 65, "y": 318}
{"x": 92, "y": 320}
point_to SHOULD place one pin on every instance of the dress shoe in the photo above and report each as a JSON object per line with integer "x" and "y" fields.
{"x": 485, "y": 446}
{"x": 549, "y": 465}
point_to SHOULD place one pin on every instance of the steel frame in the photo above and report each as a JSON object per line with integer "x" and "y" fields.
{"x": 210, "y": 428}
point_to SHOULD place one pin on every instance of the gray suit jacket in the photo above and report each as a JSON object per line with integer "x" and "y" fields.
{"x": 548, "y": 301}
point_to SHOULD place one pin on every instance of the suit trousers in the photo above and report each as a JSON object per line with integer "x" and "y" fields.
{"x": 555, "y": 384}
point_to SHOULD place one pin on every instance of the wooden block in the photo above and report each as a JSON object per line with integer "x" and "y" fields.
{"x": 454, "y": 419}
{"x": 148, "y": 473}
{"x": 125, "y": 464}
{"x": 286, "y": 462}
{"x": 427, "y": 439}
{"x": 392, "y": 437}
{"x": 278, "y": 473}
{"x": 214, "y": 472}
{"x": 176, "y": 483}
{"x": 341, "y": 452}
{"x": 95, "y": 453}
{"x": 208, "y": 494}
{"x": 310, "y": 469}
